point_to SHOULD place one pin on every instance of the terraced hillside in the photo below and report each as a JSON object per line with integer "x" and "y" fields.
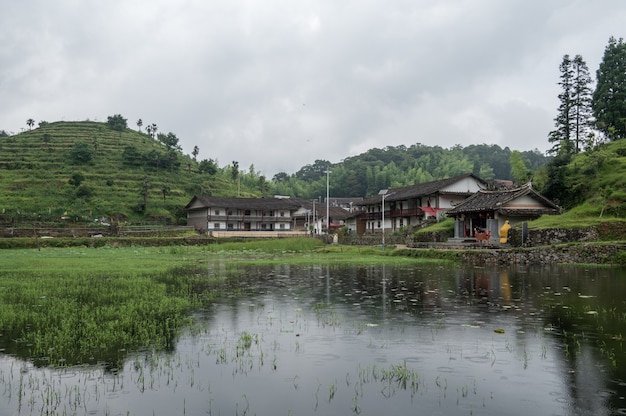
{"x": 85, "y": 171}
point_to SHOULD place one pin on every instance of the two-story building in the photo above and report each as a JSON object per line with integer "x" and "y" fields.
{"x": 216, "y": 214}
{"x": 410, "y": 205}
{"x": 220, "y": 215}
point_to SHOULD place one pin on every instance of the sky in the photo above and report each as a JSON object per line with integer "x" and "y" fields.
{"x": 279, "y": 84}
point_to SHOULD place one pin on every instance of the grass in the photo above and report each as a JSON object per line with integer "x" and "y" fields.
{"x": 83, "y": 305}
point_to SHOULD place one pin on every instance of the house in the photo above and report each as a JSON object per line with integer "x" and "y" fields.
{"x": 410, "y": 205}
{"x": 489, "y": 210}
{"x": 217, "y": 214}
{"x": 222, "y": 216}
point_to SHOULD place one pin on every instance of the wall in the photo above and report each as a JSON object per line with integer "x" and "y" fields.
{"x": 562, "y": 254}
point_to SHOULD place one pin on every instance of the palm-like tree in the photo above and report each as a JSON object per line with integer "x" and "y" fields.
{"x": 30, "y": 123}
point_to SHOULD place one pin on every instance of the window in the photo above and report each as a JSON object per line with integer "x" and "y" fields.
{"x": 282, "y": 213}
{"x": 271, "y": 213}
{"x": 263, "y": 226}
{"x": 230, "y": 212}
{"x": 282, "y": 226}
{"x": 378, "y": 224}
{"x": 217, "y": 212}
{"x": 230, "y": 226}
{"x": 216, "y": 225}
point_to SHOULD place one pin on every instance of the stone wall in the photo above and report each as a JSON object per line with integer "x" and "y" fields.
{"x": 550, "y": 236}
{"x": 561, "y": 254}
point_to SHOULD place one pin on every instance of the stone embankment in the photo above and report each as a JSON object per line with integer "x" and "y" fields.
{"x": 546, "y": 246}
{"x": 558, "y": 254}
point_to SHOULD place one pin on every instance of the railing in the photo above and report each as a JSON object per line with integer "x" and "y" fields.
{"x": 409, "y": 212}
{"x": 246, "y": 218}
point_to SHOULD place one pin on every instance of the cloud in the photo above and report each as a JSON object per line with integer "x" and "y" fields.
{"x": 280, "y": 84}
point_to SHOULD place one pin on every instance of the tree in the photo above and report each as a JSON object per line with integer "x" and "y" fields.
{"x": 76, "y": 179}
{"x": 131, "y": 156}
{"x": 609, "y": 97}
{"x": 519, "y": 171}
{"x": 46, "y": 138}
{"x": 145, "y": 190}
{"x": 280, "y": 177}
{"x": 234, "y": 171}
{"x": 153, "y": 130}
{"x": 574, "y": 118}
{"x": 208, "y": 166}
{"x": 30, "y": 123}
{"x": 139, "y": 124}
{"x": 117, "y": 122}
{"x": 581, "y": 102}
{"x": 195, "y": 152}
{"x": 81, "y": 153}
{"x": 165, "y": 190}
{"x": 169, "y": 140}
{"x": 563, "y": 123}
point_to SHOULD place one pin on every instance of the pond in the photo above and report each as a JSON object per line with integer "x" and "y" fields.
{"x": 366, "y": 340}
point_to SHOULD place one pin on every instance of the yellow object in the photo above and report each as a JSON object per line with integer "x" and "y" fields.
{"x": 504, "y": 232}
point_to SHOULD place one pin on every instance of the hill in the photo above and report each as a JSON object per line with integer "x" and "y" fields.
{"x": 85, "y": 170}
{"x": 591, "y": 186}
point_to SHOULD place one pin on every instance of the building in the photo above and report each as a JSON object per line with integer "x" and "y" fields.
{"x": 221, "y": 215}
{"x": 217, "y": 214}
{"x": 489, "y": 210}
{"x": 411, "y": 205}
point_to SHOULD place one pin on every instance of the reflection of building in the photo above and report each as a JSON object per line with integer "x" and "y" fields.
{"x": 490, "y": 209}
{"x": 410, "y": 205}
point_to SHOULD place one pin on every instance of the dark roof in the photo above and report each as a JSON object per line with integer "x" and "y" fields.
{"x": 245, "y": 203}
{"x": 484, "y": 200}
{"x": 421, "y": 189}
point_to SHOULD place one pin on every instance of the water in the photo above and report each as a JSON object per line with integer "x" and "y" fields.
{"x": 367, "y": 340}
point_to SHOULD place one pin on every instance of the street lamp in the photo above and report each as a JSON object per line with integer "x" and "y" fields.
{"x": 384, "y": 193}
{"x": 327, "y": 201}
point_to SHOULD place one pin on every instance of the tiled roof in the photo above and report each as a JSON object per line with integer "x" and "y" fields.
{"x": 419, "y": 190}
{"x": 246, "y": 203}
{"x": 497, "y": 200}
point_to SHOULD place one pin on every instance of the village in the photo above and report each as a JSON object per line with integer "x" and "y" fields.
{"x": 480, "y": 209}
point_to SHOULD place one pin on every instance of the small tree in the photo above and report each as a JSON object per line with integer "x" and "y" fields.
{"x": 519, "y": 170}
{"x": 76, "y": 179}
{"x": 46, "y": 138}
{"x": 208, "y": 166}
{"x": 30, "y": 123}
{"x": 145, "y": 190}
{"x": 81, "y": 153}
{"x": 165, "y": 190}
{"x": 139, "y": 124}
{"x": 195, "y": 152}
{"x": 234, "y": 170}
{"x": 117, "y": 122}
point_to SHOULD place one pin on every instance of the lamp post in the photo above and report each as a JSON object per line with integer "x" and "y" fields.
{"x": 384, "y": 193}
{"x": 327, "y": 201}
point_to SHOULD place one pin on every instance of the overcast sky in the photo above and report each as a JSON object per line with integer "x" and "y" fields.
{"x": 281, "y": 83}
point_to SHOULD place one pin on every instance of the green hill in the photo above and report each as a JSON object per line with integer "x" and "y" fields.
{"x": 592, "y": 186}
{"x": 85, "y": 170}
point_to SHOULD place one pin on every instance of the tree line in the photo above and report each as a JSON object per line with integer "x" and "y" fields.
{"x": 586, "y": 117}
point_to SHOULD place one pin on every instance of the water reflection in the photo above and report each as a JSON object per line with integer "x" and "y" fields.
{"x": 326, "y": 340}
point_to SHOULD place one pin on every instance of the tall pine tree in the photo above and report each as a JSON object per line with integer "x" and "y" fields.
{"x": 581, "y": 102}
{"x": 609, "y": 98}
{"x": 573, "y": 120}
